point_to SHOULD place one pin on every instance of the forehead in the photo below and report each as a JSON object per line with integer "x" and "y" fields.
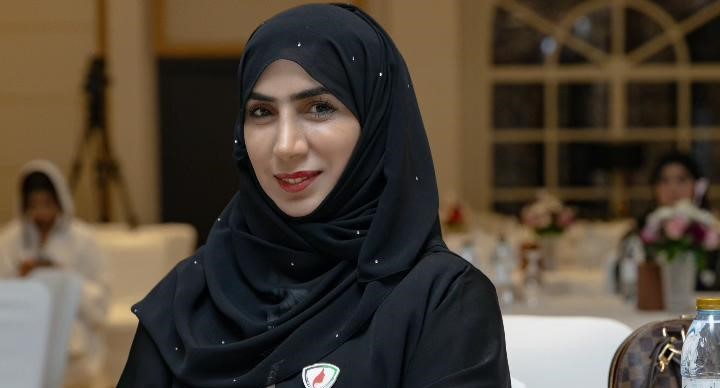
{"x": 282, "y": 78}
{"x": 41, "y": 196}
{"x": 674, "y": 169}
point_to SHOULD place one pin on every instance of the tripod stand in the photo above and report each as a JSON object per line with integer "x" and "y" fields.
{"x": 107, "y": 170}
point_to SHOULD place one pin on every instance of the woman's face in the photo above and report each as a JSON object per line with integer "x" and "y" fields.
{"x": 299, "y": 137}
{"x": 42, "y": 209}
{"x": 675, "y": 184}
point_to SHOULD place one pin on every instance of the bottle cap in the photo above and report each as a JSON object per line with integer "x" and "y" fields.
{"x": 708, "y": 303}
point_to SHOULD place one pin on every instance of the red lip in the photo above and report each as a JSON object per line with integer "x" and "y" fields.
{"x": 303, "y": 180}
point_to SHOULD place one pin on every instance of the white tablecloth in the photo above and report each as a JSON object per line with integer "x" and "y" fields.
{"x": 583, "y": 293}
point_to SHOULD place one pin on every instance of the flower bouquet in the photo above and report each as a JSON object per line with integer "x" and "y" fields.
{"x": 454, "y": 219}
{"x": 547, "y": 216}
{"x": 679, "y": 239}
{"x": 672, "y": 231}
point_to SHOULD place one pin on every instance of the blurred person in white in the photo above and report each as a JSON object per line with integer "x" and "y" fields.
{"x": 46, "y": 234}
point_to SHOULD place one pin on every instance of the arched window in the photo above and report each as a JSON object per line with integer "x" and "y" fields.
{"x": 584, "y": 96}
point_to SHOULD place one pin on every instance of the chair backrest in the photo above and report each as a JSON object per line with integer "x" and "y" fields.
{"x": 559, "y": 352}
{"x": 517, "y": 384}
{"x": 136, "y": 262}
{"x": 24, "y": 330}
{"x": 65, "y": 292}
{"x": 181, "y": 240}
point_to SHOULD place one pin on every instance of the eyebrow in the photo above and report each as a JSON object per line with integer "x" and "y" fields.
{"x": 320, "y": 90}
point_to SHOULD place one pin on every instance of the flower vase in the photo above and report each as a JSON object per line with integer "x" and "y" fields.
{"x": 548, "y": 251}
{"x": 678, "y": 281}
{"x": 649, "y": 287}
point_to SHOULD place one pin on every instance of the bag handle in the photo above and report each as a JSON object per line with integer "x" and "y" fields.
{"x": 667, "y": 353}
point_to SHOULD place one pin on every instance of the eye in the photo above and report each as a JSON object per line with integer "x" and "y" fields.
{"x": 322, "y": 109}
{"x": 259, "y": 112}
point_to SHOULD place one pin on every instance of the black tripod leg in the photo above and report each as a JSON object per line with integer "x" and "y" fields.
{"x": 116, "y": 176}
{"x": 77, "y": 164}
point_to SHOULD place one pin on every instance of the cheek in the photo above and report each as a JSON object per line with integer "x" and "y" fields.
{"x": 341, "y": 144}
{"x": 688, "y": 189}
{"x": 345, "y": 153}
{"x": 662, "y": 192}
{"x": 256, "y": 145}
{"x": 337, "y": 157}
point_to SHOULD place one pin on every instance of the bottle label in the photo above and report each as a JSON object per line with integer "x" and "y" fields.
{"x": 690, "y": 382}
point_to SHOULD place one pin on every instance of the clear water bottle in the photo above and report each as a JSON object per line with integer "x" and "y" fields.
{"x": 700, "y": 363}
{"x": 532, "y": 278}
{"x": 467, "y": 251}
{"x": 633, "y": 253}
{"x": 504, "y": 262}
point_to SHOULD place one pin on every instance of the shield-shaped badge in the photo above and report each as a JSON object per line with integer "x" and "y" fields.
{"x": 320, "y": 375}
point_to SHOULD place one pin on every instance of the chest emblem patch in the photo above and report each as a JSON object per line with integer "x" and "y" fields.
{"x": 320, "y": 375}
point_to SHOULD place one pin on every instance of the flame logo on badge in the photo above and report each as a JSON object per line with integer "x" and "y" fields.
{"x": 320, "y": 375}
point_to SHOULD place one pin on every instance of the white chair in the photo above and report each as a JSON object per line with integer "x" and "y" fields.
{"x": 65, "y": 292}
{"x": 181, "y": 240}
{"x": 516, "y": 384}
{"x": 136, "y": 262}
{"x": 562, "y": 352}
{"x": 24, "y": 330}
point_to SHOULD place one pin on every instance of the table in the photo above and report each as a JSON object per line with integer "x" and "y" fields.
{"x": 583, "y": 292}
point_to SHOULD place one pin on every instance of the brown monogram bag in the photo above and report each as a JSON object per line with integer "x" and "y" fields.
{"x": 650, "y": 356}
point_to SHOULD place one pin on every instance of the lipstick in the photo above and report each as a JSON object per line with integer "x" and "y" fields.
{"x": 296, "y": 181}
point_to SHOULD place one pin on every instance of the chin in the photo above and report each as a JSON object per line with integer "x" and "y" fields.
{"x": 299, "y": 209}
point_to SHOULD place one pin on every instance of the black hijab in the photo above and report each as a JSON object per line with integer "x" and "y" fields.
{"x": 269, "y": 294}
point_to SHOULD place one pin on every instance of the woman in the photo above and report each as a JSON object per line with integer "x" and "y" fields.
{"x": 327, "y": 268}
{"x": 677, "y": 177}
{"x": 46, "y": 235}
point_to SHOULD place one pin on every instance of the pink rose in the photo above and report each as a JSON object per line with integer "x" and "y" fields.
{"x": 649, "y": 234}
{"x": 566, "y": 217}
{"x": 675, "y": 228}
{"x": 526, "y": 216}
{"x": 543, "y": 221}
{"x": 712, "y": 240}
{"x": 536, "y": 217}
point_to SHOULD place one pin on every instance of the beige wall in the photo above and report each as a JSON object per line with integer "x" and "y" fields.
{"x": 474, "y": 147}
{"x": 133, "y": 103}
{"x": 46, "y": 44}
{"x": 427, "y": 33}
{"x": 225, "y": 22}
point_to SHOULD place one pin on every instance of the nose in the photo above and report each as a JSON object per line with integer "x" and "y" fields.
{"x": 290, "y": 142}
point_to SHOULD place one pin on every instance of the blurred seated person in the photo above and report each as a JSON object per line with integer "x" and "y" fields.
{"x": 677, "y": 177}
{"x": 46, "y": 235}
